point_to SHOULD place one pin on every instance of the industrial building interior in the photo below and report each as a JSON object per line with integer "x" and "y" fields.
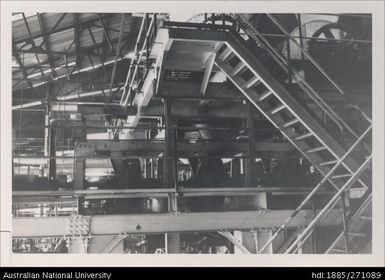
{"x": 143, "y": 133}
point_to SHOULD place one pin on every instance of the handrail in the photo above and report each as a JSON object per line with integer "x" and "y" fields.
{"x": 117, "y": 123}
{"x": 284, "y": 64}
{"x": 281, "y": 62}
{"x": 133, "y": 60}
{"x": 149, "y": 30}
{"x": 355, "y": 216}
{"x": 134, "y": 64}
{"x": 308, "y": 56}
{"x": 316, "y": 64}
{"x": 328, "y": 207}
{"x": 312, "y": 193}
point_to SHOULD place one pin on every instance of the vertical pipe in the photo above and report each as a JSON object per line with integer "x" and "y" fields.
{"x": 79, "y": 173}
{"x": 250, "y": 161}
{"x": 172, "y": 239}
{"x": 46, "y": 132}
{"x": 47, "y": 119}
{"x": 155, "y": 26}
{"x": 80, "y": 163}
{"x": 52, "y": 154}
{"x": 167, "y": 166}
{"x": 147, "y": 41}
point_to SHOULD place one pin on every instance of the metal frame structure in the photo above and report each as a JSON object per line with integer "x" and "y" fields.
{"x": 144, "y": 81}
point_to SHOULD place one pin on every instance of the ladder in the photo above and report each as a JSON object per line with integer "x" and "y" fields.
{"x": 274, "y": 101}
{"x": 320, "y": 145}
{"x": 321, "y": 141}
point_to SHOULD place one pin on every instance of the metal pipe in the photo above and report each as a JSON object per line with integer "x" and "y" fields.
{"x": 117, "y": 52}
{"x": 133, "y": 61}
{"x": 52, "y": 151}
{"x": 81, "y": 95}
{"x": 137, "y": 65}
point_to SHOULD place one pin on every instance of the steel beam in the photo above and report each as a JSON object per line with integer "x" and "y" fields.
{"x": 171, "y": 174}
{"x": 208, "y": 68}
{"x": 189, "y": 109}
{"x": 97, "y": 50}
{"x": 54, "y": 195}
{"x": 250, "y": 162}
{"x": 77, "y": 39}
{"x": 55, "y": 28}
{"x": 221, "y": 91}
{"x": 84, "y": 52}
{"x": 117, "y": 51}
{"x": 33, "y": 43}
{"x": 107, "y": 36}
{"x": 46, "y": 44}
{"x": 25, "y": 74}
{"x": 184, "y": 34}
{"x": 87, "y": 149}
{"x": 167, "y": 223}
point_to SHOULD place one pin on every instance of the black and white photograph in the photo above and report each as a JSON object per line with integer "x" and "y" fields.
{"x": 146, "y": 132}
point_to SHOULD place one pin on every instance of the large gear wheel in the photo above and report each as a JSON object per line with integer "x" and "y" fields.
{"x": 334, "y": 47}
{"x": 307, "y": 30}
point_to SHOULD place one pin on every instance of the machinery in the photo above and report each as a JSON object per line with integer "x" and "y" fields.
{"x": 227, "y": 133}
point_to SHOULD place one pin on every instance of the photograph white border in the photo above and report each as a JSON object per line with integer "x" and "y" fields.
{"x": 376, "y": 8}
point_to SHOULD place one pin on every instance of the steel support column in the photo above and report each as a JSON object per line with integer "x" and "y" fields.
{"x": 77, "y": 245}
{"x": 52, "y": 153}
{"x": 170, "y": 173}
{"x": 250, "y": 161}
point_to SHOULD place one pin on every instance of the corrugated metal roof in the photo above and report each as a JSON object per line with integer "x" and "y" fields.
{"x": 51, "y": 41}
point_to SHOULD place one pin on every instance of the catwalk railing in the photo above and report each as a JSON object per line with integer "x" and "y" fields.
{"x": 286, "y": 65}
{"x": 296, "y": 245}
{"x": 143, "y": 45}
